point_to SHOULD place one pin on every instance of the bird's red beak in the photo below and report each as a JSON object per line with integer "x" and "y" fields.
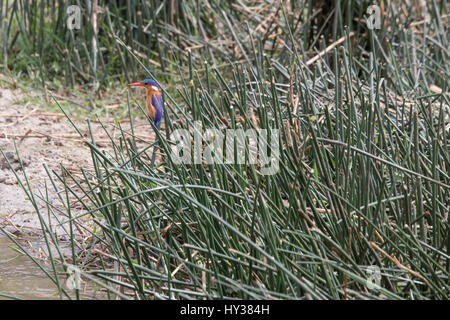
{"x": 136, "y": 84}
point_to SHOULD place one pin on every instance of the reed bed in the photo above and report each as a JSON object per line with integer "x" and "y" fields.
{"x": 362, "y": 184}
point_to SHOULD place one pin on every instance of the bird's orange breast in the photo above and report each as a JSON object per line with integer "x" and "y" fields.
{"x": 150, "y": 108}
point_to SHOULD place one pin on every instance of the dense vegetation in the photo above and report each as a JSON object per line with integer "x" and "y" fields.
{"x": 363, "y": 183}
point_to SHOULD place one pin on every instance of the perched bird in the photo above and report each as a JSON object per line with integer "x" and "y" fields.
{"x": 154, "y": 99}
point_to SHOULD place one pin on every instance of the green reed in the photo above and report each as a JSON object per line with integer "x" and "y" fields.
{"x": 363, "y": 175}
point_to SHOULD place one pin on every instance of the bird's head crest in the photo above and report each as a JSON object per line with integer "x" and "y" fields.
{"x": 148, "y": 83}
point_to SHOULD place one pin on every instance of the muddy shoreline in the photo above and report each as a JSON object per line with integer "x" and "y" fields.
{"x": 41, "y": 137}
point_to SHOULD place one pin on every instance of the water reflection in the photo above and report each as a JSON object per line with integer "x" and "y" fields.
{"x": 22, "y": 278}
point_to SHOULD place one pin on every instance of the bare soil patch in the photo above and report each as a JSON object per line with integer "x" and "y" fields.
{"x": 44, "y": 137}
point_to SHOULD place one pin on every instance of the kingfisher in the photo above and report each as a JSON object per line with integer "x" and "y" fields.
{"x": 154, "y": 99}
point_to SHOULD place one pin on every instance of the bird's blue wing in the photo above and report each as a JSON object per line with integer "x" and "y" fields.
{"x": 157, "y": 102}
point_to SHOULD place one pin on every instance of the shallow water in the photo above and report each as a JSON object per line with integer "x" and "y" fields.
{"x": 20, "y": 277}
